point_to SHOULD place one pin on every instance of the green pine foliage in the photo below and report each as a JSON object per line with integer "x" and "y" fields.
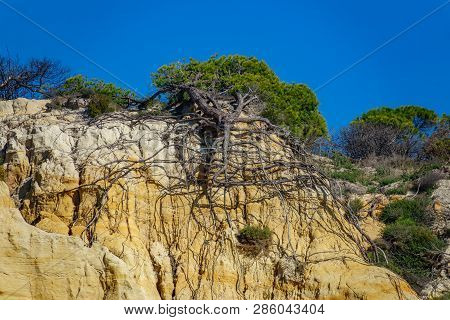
{"x": 411, "y": 118}
{"x": 293, "y": 106}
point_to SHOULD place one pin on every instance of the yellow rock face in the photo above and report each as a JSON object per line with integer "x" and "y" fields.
{"x": 39, "y": 265}
{"x": 152, "y": 245}
{"x": 5, "y": 201}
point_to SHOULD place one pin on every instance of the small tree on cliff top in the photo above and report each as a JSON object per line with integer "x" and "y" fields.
{"x": 293, "y": 106}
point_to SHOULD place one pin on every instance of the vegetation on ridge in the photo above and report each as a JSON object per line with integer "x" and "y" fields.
{"x": 293, "y": 106}
{"x": 407, "y": 131}
{"x": 411, "y": 246}
{"x": 411, "y": 118}
{"x": 83, "y": 87}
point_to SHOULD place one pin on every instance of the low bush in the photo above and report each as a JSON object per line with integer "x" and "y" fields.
{"x": 428, "y": 181}
{"x": 2, "y": 170}
{"x": 353, "y": 175}
{"x": 103, "y": 97}
{"x": 413, "y": 209}
{"x": 437, "y": 147}
{"x": 372, "y": 189}
{"x": 355, "y": 205}
{"x": 384, "y": 165}
{"x": 412, "y": 249}
{"x": 100, "y": 104}
{"x": 254, "y": 235}
{"x": 86, "y": 88}
{"x": 2, "y": 173}
{"x": 341, "y": 161}
{"x": 384, "y": 181}
{"x": 384, "y": 176}
{"x": 403, "y": 189}
{"x": 383, "y": 171}
{"x": 422, "y": 170}
{"x": 444, "y": 296}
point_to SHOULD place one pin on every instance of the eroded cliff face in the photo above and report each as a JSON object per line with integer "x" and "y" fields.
{"x": 40, "y": 265}
{"x": 151, "y": 244}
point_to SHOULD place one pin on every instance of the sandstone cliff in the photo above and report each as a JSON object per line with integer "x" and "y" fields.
{"x": 151, "y": 244}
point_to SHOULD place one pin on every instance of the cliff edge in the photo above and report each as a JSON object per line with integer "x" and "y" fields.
{"x": 148, "y": 242}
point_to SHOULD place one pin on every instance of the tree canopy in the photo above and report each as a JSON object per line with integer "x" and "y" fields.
{"x": 395, "y": 131}
{"x": 414, "y": 119}
{"x": 293, "y": 106}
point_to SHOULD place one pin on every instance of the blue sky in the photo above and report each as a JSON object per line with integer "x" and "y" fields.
{"x": 303, "y": 41}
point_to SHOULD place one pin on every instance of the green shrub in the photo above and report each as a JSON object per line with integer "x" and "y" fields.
{"x": 411, "y": 249}
{"x": 384, "y": 181}
{"x": 86, "y": 88}
{"x": 413, "y": 209}
{"x": 403, "y": 189}
{"x": 384, "y": 176}
{"x": 355, "y": 205}
{"x": 428, "y": 181}
{"x": 422, "y": 171}
{"x": 438, "y": 148}
{"x": 100, "y": 104}
{"x": 341, "y": 161}
{"x": 2, "y": 173}
{"x": 383, "y": 171}
{"x": 444, "y": 296}
{"x": 2, "y": 170}
{"x": 254, "y": 235}
{"x": 372, "y": 189}
{"x": 354, "y": 175}
{"x": 410, "y": 245}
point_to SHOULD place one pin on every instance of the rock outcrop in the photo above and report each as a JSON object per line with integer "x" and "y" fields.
{"x": 39, "y": 265}
{"x": 150, "y": 244}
